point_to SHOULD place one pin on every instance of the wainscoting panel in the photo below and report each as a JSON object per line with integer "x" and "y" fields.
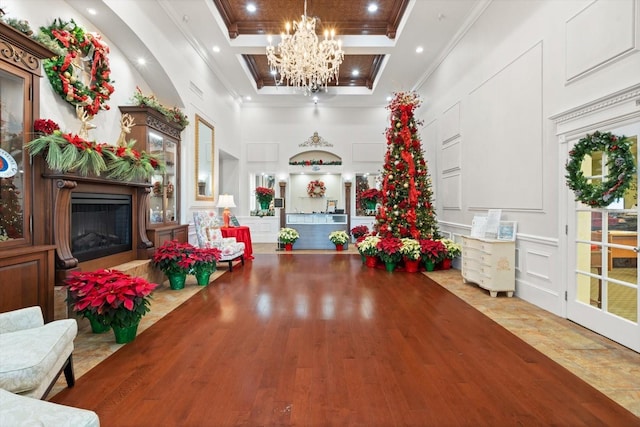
{"x": 263, "y": 230}
{"x": 505, "y": 123}
{"x": 264, "y": 152}
{"x": 368, "y": 152}
{"x": 451, "y": 156}
{"x": 539, "y": 276}
{"x": 451, "y": 123}
{"x": 599, "y": 34}
{"x": 452, "y": 191}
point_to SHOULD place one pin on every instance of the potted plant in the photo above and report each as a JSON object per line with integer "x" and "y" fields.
{"x": 368, "y": 247}
{"x": 453, "y": 250}
{"x": 175, "y": 260}
{"x": 264, "y": 195}
{"x": 389, "y": 251}
{"x": 369, "y": 199}
{"x": 288, "y": 236}
{"x": 432, "y": 252}
{"x": 359, "y": 231}
{"x": 113, "y": 298}
{"x": 204, "y": 264}
{"x": 411, "y": 253}
{"x": 339, "y": 238}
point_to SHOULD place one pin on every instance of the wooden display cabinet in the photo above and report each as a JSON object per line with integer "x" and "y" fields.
{"x": 26, "y": 252}
{"x": 155, "y": 134}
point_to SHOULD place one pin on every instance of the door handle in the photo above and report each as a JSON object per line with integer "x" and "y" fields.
{"x": 636, "y": 250}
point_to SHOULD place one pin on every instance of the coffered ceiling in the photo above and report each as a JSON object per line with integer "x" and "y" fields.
{"x": 393, "y": 48}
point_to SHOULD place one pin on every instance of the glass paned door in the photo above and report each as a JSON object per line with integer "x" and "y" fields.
{"x": 603, "y": 286}
{"x": 13, "y": 224}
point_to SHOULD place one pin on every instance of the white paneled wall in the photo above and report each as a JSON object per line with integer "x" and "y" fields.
{"x": 493, "y": 94}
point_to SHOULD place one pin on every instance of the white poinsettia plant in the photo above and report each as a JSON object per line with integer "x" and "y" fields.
{"x": 410, "y": 248}
{"x": 339, "y": 237}
{"x": 453, "y": 249}
{"x": 369, "y": 245}
{"x": 288, "y": 235}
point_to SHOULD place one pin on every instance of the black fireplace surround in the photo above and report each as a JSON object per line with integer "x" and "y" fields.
{"x": 101, "y": 225}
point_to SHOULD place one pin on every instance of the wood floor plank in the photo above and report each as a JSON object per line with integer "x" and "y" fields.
{"x": 321, "y": 340}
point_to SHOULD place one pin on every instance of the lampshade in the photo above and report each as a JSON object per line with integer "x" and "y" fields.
{"x": 226, "y": 201}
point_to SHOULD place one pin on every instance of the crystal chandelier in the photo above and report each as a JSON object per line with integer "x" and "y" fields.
{"x": 301, "y": 60}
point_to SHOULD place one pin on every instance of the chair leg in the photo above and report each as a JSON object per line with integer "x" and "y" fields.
{"x": 68, "y": 372}
{"x": 230, "y": 265}
{"x": 242, "y": 259}
{"x": 67, "y": 368}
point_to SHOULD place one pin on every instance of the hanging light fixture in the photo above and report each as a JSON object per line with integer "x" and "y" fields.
{"x": 301, "y": 60}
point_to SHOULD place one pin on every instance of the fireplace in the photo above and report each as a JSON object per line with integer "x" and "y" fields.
{"x": 101, "y": 225}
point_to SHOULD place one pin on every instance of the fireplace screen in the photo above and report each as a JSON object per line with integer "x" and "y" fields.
{"x": 100, "y": 225}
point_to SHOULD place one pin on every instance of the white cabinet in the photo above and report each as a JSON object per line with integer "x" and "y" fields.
{"x": 490, "y": 264}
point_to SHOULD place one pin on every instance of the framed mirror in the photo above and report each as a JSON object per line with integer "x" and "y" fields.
{"x": 204, "y": 159}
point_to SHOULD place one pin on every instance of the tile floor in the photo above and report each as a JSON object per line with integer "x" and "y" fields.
{"x": 607, "y": 366}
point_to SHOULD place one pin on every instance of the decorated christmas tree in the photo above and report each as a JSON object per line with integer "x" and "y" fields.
{"x": 406, "y": 209}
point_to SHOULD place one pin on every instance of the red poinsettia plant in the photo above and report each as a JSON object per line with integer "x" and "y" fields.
{"x": 113, "y": 297}
{"x": 433, "y": 250}
{"x": 359, "y": 231}
{"x": 205, "y": 260}
{"x": 174, "y": 257}
{"x": 45, "y": 126}
{"x": 370, "y": 195}
{"x": 265, "y": 194}
{"x": 389, "y": 249}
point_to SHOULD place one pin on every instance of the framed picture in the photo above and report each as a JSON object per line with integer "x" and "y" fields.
{"x": 507, "y": 230}
{"x": 331, "y": 205}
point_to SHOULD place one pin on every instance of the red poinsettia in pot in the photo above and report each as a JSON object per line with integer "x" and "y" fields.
{"x": 359, "y": 231}
{"x": 175, "y": 260}
{"x": 432, "y": 252}
{"x": 264, "y": 196}
{"x": 204, "y": 265}
{"x": 389, "y": 251}
{"x": 369, "y": 198}
{"x": 110, "y": 298}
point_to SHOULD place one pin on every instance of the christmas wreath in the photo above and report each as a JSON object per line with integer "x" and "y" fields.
{"x": 316, "y": 189}
{"x": 76, "y": 45}
{"x": 620, "y": 167}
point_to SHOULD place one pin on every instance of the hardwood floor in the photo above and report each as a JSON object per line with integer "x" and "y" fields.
{"x": 320, "y": 340}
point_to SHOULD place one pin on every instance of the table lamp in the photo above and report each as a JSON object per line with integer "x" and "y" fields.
{"x": 226, "y": 201}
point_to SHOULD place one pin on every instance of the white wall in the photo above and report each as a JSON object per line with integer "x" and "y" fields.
{"x": 487, "y": 114}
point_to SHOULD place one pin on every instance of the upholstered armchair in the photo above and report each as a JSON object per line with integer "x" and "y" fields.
{"x": 33, "y": 354}
{"x": 208, "y": 232}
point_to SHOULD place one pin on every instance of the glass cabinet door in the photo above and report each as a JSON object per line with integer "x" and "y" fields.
{"x": 163, "y": 206}
{"x": 171, "y": 156}
{"x": 13, "y": 179}
{"x": 156, "y": 200}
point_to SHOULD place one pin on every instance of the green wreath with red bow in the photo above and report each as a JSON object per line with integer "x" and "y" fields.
{"x": 74, "y": 42}
{"x": 621, "y": 167}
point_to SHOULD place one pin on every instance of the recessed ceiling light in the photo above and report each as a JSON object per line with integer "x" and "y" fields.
{"x": 355, "y": 73}
{"x": 273, "y": 72}
{"x": 419, "y": 49}
{"x": 315, "y": 99}
{"x": 92, "y": 11}
{"x": 216, "y": 49}
{"x": 247, "y": 98}
{"x": 142, "y": 61}
{"x": 389, "y": 98}
{"x": 372, "y": 8}
{"x": 251, "y": 8}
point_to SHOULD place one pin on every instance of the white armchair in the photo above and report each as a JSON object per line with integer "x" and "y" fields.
{"x": 209, "y": 236}
{"x": 33, "y": 354}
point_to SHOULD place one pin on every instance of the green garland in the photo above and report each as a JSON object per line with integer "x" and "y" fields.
{"x": 66, "y": 152}
{"x": 73, "y": 42}
{"x": 621, "y": 167}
